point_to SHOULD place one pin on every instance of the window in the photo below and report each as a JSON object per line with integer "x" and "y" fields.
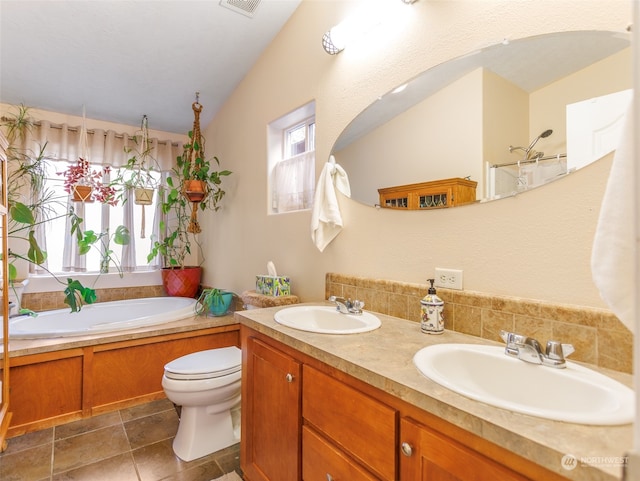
{"x": 292, "y": 161}
{"x": 96, "y": 217}
{"x": 300, "y": 138}
{"x": 60, "y": 145}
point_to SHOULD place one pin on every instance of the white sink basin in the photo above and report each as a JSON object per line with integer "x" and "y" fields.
{"x": 326, "y": 320}
{"x": 484, "y": 373}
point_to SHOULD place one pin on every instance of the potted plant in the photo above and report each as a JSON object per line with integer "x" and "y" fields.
{"x": 215, "y": 302}
{"x": 176, "y": 245}
{"x": 26, "y": 181}
{"x": 199, "y": 182}
{"x": 141, "y": 171}
{"x": 85, "y": 184}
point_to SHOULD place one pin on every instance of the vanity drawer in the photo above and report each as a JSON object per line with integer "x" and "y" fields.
{"x": 322, "y": 461}
{"x": 361, "y": 426}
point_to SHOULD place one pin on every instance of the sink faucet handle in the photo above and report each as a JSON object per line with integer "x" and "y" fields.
{"x": 558, "y": 351}
{"x": 507, "y": 337}
{"x": 358, "y": 305}
{"x": 511, "y": 338}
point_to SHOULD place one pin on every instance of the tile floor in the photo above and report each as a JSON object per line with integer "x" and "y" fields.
{"x": 132, "y": 444}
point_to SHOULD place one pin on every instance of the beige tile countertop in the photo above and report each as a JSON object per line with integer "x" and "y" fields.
{"x": 384, "y": 358}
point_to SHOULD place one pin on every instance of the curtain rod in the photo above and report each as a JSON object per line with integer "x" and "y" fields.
{"x": 38, "y": 123}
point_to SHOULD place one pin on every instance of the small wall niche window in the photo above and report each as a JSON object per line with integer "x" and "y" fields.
{"x": 291, "y": 161}
{"x": 300, "y": 138}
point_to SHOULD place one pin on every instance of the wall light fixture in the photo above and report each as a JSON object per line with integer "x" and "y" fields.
{"x": 356, "y": 27}
{"x": 334, "y": 40}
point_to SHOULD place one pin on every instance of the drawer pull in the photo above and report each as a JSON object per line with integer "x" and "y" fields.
{"x": 329, "y": 477}
{"x": 289, "y": 377}
{"x": 407, "y": 450}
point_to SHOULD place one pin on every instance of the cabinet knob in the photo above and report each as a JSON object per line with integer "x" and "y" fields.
{"x": 407, "y": 450}
{"x": 329, "y": 477}
{"x": 289, "y": 377}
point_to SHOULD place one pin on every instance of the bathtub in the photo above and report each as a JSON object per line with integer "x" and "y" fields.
{"x": 102, "y": 317}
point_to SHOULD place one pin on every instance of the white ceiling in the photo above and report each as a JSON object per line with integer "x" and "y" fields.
{"x": 122, "y": 59}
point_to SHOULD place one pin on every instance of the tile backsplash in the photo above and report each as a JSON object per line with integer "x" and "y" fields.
{"x": 598, "y": 336}
{"x": 42, "y": 301}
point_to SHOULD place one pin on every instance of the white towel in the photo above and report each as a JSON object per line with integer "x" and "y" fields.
{"x": 326, "y": 221}
{"x": 614, "y": 243}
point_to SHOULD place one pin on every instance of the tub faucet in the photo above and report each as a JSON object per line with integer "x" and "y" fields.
{"x": 347, "y": 306}
{"x": 529, "y": 350}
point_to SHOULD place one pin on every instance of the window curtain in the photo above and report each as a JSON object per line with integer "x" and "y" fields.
{"x": 128, "y": 261}
{"x": 159, "y": 219}
{"x": 105, "y": 147}
{"x": 294, "y": 183}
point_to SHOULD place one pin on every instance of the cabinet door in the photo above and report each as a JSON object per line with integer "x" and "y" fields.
{"x": 430, "y": 456}
{"x": 270, "y": 414}
{"x": 321, "y": 461}
{"x": 361, "y": 426}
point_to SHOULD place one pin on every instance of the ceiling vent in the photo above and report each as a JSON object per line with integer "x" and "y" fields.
{"x": 245, "y": 7}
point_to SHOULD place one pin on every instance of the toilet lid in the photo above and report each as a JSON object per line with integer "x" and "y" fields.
{"x": 205, "y": 364}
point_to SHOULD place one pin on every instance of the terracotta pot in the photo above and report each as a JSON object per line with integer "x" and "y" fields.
{"x": 143, "y": 196}
{"x": 82, "y": 193}
{"x": 195, "y": 190}
{"x": 181, "y": 282}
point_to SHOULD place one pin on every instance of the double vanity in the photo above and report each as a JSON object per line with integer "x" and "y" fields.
{"x": 370, "y": 405}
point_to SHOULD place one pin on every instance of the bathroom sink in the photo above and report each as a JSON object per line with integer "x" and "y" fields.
{"x": 574, "y": 394}
{"x": 326, "y": 320}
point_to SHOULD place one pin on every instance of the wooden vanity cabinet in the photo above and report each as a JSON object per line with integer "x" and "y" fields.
{"x": 304, "y": 420}
{"x": 322, "y": 460}
{"x": 355, "y": 424}
{"x": 438, "y": 194}
{"x": 271, "y": 421}
{"x": 428, "y": 455}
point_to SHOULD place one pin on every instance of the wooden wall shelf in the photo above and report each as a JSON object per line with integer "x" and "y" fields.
{"x": 437, "y": 194}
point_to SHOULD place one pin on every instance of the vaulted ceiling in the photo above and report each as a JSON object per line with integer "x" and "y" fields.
{"x": 122, "y": 59}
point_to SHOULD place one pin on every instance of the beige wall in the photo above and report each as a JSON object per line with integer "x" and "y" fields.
{"x": 536, "y": 245}
{"x": 548, "y": 105}
{"x": 505, "y": 120}
{"x": 439, "y": 138}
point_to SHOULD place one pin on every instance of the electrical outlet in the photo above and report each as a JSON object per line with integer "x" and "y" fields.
{"x": 448, "y": 278}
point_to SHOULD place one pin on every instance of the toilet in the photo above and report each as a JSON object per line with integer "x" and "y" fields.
{"x": 207, "y": 386}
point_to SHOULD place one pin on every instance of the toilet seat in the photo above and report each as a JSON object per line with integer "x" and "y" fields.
{"x": 209, "y": 364}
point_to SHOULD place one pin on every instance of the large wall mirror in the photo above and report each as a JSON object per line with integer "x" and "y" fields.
{"x": 523, "y": 105}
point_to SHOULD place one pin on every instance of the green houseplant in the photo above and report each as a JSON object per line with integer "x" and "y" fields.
{"x": 181, "y": 203}
{"x": 215, "y": 302}
{"x": 31, "y": 205}
{"x": 141, "y": 172}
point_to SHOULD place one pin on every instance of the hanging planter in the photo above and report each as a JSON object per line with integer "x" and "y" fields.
{"x": 180, "y": 202}
{"x": 86, "y": 185}
{"x": 139, "y": 175}
{"x": 82, "y": 193}
{"x": 143, "y": 196}
{"x": 195, "y": 190}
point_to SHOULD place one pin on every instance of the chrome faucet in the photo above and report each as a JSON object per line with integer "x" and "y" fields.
{"x": 347, "y": 306}
{"x": 529, "y": 350}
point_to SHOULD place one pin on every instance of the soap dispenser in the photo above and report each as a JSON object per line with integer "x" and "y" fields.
{"x": 431, "y": 306}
